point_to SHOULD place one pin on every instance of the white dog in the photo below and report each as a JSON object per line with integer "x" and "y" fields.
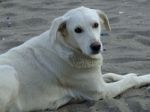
{"x": 62, "y": 64}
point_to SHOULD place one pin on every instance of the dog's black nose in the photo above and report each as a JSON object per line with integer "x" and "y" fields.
{"x": 96, "y": 46}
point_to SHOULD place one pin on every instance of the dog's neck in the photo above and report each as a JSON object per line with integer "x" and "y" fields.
{"x": 80, "y": 60}
{"x": 75, "y": 57}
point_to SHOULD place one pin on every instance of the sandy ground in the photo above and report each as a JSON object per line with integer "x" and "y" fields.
{"x": 127, "y": 46}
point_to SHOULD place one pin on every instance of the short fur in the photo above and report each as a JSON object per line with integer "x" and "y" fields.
{"x": 57, "y": 66}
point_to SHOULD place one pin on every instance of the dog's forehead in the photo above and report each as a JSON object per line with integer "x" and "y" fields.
{"x": 81, "y": 11}
{"x": 81, "y": 15}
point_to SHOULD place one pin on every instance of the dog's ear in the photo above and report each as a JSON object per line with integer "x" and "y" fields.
{"x": 63, "y": 29}
{"x": 104, "y": 19}
{"x": 55, "y": 27}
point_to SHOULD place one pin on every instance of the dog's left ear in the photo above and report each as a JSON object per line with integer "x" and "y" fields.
{"x": 55, "y": 27}
{"x": 104, "y": 19}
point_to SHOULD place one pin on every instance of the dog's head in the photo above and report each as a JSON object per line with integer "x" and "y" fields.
{"x": 81, "y": 29}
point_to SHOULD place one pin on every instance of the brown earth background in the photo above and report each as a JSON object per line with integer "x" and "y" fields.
{"x": 127, "y": 45}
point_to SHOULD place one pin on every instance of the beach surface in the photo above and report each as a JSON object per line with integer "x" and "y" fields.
{"x": 127, "y": 45}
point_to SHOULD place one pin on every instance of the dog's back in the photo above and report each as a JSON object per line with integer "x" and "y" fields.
{"x": 25, "y": 75}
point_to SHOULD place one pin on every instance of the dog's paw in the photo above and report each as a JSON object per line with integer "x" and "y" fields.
{"x": 144, "y": 80}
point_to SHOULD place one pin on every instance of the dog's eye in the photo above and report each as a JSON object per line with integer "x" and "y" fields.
{"x": 78, "y": 30}
{"x": 95, "y": 25}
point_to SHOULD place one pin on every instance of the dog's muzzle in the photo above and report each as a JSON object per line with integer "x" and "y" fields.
{"x": 95, "y": 47}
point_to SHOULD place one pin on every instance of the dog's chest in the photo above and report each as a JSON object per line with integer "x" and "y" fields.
{"x": 83, "y": 82}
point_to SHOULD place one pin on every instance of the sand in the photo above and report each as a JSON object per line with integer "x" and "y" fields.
{"x": 127, "y": 45}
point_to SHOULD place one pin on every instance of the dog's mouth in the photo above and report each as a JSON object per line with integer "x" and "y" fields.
{"x": 94, "y": 55}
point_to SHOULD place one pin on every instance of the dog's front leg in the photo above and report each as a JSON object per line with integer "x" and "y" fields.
{"x": 115, "y": 88}
{"x": 112, "y": 77}
{"x": 143, "y": 80}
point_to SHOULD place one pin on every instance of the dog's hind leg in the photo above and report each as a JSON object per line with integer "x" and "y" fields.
{"x": 8, "y": 86}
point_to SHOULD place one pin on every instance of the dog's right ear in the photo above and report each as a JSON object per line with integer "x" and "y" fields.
{"x": 55, "y": 26}
{"x": 104, "y": 19}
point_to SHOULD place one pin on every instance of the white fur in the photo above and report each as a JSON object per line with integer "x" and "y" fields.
{"x": 50, "y": 70}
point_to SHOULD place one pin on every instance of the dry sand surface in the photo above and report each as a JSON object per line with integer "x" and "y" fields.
{"x": 127, "y": 46}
